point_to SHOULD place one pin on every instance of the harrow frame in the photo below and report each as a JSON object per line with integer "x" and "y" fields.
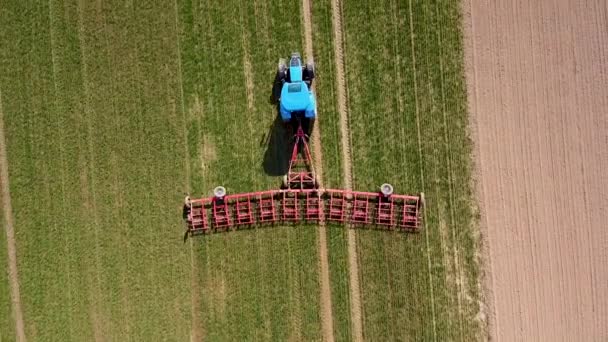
{"x": 300, "y": 201}
{"x": 289, "y": 206}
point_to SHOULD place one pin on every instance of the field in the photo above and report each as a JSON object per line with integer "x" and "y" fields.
{"x": 113, "y": 111}
{"x": 538, "y": 87}
{"x": 408, "y": 116}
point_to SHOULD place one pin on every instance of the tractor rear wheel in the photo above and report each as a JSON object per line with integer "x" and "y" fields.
{"x": 282, "y": 70}
{"x": 308, "y": 73}
{"x": 310, "y": 70}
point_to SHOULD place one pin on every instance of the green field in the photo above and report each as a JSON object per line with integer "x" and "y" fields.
{"x": 114, "y": 110}
{"x": 408, "y": 118}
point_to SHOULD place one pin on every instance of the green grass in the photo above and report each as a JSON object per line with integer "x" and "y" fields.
{"x": 92, "y": 150}
{"x": 114, "y": 110}
{"x": 410, "y": 282}
{"x": 262, "y": 279}
{"x": 97, "y": 137}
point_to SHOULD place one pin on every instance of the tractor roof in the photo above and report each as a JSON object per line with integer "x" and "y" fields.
{"x": 295, "y": 69}
{"x": 295, "y": 96}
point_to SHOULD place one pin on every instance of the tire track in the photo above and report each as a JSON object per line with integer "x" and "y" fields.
{"x": 89, "y": 188}
{"x": 10, "y": 234}
{"x": 353, "y": 262}
{"x": 196, "y": 333}
{"x": 327, "y": 324}
{"x": 116, "y": 185}
{"x": 460, "y": 278}
{"x": 426, "y": 231}
{"x": 62, "y": 162}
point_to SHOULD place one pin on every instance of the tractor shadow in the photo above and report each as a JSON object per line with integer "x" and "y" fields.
{"x": 277, "y": 85}
{"x": 277, "y": 142}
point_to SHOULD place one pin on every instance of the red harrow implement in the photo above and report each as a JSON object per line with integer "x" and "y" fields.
{"x": 300, "y": 200}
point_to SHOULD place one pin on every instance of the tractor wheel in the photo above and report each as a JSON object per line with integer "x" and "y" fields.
{"x": 282, "y": 64}
{"x": 281, "y": 71}
{"x": 310, "y": 70}
{"x": 422, "y": 200}
{"x": 281, "y": 76}
{"x": 284, "y": 182}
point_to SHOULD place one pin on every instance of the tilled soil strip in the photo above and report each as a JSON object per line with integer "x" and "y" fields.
{"x": 10, "y": 234}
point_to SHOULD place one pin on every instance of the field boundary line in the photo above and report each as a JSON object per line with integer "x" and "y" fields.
{"x": 426, "y": 231}
{"x": 353, "y": 262}
{"x": 488, "y": 306}
{"x": 327, "y": 319}
{"x": 10, "y": 234}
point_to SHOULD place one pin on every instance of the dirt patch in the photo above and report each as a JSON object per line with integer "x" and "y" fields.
{"x": 208, "y": 149}
{"x": 10, "y": 234}
{"x": 537, "y": 75}
{"x": 327, "y": 320}
{"x": 97, "y": 322}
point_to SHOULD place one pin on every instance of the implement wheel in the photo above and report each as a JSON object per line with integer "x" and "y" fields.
{"x": 316, "y": 181}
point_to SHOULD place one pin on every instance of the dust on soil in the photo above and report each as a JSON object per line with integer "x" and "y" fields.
{"x": 327, "y": 321}
{"x": 10, "y": 234}
{"x": 537, "y": 74}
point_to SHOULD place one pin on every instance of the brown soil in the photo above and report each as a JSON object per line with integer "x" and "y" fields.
{"x": 10, "y": 234}
{"x": 537, "y": 73}
{"x": 327, "y": 320}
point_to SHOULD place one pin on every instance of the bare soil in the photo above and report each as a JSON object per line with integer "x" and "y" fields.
{"x": 10, "y": 235}
{"x": 537, "y": 74}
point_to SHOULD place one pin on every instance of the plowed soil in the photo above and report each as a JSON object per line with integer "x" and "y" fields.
{"x": 538, "y": 93}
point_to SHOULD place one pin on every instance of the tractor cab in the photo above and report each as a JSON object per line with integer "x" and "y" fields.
{"x": 296, "y": 101}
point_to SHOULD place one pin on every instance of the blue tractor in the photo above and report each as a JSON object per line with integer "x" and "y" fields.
{"x": 297, "y": 103}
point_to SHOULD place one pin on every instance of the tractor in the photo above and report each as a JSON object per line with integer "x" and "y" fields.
{"x": 296, "y": 100}
{"x": 301, "y": 199}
